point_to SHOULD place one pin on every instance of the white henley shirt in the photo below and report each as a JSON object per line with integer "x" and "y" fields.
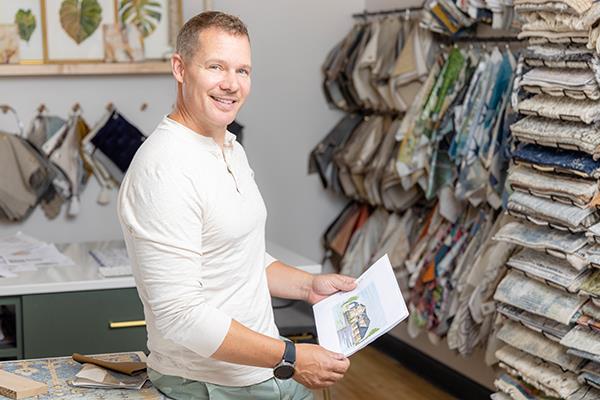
{"x": 194, "y": 225}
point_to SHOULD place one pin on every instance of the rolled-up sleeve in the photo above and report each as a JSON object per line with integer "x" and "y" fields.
{"x": 162, "y": 214}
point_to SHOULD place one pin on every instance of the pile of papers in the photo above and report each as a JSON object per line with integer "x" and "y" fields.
{"x": 93, "y": 376}
{"x": 20, "y": 253}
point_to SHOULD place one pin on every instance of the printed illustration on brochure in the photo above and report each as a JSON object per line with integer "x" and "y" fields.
{"x": 358, "y": 318}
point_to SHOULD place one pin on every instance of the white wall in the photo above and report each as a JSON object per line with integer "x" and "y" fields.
{"x": 285, "y": 117}
{"x": 286, "y": 114}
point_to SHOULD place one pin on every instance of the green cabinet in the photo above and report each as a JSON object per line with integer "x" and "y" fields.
{"x": 59, "y": 324}
{"x": 11, "y": 349}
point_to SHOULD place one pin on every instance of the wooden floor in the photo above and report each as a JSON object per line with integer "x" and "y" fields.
{"x": 376, "y": 376}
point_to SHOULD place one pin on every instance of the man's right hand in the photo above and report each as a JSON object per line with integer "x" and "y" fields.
{"x": 317, "y": 367}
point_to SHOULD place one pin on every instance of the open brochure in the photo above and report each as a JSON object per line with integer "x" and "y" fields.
{"x": 348, "y": 321}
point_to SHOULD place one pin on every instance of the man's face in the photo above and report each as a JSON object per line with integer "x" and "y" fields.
{"x": 217, "y": 78}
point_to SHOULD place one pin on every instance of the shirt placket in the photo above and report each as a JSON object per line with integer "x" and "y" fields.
{"x": 226, "y": 153}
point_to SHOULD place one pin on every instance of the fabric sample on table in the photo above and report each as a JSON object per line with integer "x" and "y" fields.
{"x": 546, "y": 212}
{"x": 574, "y": 83}
{"x": 546, "y": 377}
{"x": 584, "y": 340}
{"x": 537, "y": 345}
{"x": 552, "y": 330}
{"x": 548, "y": 269}
{"x": 519, "y": 291}
{"x": 561, "y": 108}
{"x": 561, "y": 188}
{"x": 553, "y": 133}
{"x": 557, "y": 160}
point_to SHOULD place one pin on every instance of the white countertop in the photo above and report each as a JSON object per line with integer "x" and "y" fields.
{"x": 85, "y": 276}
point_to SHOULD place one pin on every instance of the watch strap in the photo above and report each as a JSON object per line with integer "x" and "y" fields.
{"x": 289, "y": 354}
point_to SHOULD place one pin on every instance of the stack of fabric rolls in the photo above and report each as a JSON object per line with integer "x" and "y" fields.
{"x": 549, "y": 297}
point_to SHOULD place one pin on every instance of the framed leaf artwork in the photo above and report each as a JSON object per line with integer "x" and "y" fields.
{"x": 73, "y": 30}
{"x": 27, "y": 15}
{"x": 155, "y": 20}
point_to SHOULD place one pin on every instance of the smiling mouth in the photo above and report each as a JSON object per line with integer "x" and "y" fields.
{"x": 223, "y": 100}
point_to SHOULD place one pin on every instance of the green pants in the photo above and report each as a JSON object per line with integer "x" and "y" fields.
{"x": 179, "y": 388}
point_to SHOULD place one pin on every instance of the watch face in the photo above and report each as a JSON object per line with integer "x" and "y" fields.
{"x": 284, "y": 371}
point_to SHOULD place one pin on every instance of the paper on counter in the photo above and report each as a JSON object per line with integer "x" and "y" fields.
{"x": 19, "y": 253}
{"x": 5, "y": 272}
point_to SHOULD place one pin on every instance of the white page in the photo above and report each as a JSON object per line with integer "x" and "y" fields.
{"x": 5, "y": 272}
{"x": 111, "y": 257}
{"x": 377, "y": 296}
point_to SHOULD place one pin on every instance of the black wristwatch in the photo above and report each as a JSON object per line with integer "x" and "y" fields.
{"x": 285, "y": 368}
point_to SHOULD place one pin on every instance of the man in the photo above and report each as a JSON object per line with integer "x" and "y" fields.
{"x": 194, "y": 220}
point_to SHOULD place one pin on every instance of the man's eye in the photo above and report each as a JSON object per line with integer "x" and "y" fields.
{"x": 216, "y": 67}
{"x": 243, "y": 71}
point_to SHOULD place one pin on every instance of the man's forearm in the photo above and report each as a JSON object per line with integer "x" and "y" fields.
{"x": 245, "y": 346}
{"x": 288, "y": 282}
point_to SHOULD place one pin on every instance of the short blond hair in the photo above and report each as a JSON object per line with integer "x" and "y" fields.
{"x": 187, "y": 38}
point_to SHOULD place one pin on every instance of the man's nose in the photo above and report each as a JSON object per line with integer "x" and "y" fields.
{"x": 230, "y": 82}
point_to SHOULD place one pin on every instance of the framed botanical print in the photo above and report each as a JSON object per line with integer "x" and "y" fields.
{"x": 122, "y": 43}
{"x": 9, "y": 44}
{"x": 27, "y": 15}
{"x": 73, "y": 29}
{"x": 154, "y": 19}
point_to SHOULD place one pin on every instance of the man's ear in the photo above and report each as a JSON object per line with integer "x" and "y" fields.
{"x": 177, "y": 67}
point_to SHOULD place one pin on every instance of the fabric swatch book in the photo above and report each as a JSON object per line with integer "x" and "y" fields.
{"x": 348, "y": 321}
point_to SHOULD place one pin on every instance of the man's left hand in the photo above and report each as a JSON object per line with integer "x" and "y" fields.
{"x": 326, "y": 285}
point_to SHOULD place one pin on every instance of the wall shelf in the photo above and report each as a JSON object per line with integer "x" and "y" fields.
{"x": 141, "y": 68}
